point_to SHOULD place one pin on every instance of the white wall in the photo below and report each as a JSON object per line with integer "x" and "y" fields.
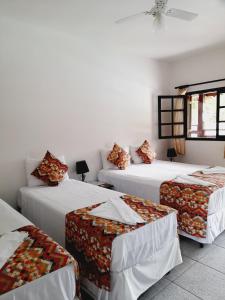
{"x": 71, "y": 97}
{"x": 203, "y": 66}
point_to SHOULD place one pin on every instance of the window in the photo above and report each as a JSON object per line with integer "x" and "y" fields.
{"x": 171, "y": 116}
{"x": 202, "y": 115}
{"x": 198, "y": 115}
{"x": 221, "y": 114}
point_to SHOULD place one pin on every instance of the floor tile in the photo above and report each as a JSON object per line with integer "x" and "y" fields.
{"x": 204, "y": 282}
{"x": 192, "y": 249}
{"x": 179, "y": 270}
{"x": 174, "y": 292}
{"x": 155, "y": 289}
{"x": 215, "y": 259}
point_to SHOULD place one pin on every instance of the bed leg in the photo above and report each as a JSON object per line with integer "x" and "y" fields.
{"x": 201, "y": 245}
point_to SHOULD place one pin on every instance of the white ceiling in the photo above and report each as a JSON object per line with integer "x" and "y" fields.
{"x": 95, "y": 20}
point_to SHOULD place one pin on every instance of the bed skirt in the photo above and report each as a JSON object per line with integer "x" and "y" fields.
{"x": 132, "y": 282}
{"x": 215, "y": 226}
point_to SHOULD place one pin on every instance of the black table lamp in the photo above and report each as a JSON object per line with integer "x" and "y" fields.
{"x": 171, "y": 153}
{"x": 82, "y": 168}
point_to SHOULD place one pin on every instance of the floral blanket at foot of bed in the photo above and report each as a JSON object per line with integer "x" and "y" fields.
{"x": 90, "y": 238}
{"x": 191, "y": 201}
{"x": 37, "y": 256}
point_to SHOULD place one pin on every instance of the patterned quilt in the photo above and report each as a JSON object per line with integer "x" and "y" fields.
{"x": 37, "y": 256}
{"x": 90, "y": 238}
{"x": 191, "y": 201}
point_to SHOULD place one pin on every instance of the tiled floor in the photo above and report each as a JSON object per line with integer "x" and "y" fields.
{"x": 200, "y": 276}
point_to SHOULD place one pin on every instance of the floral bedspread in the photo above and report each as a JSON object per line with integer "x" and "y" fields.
{"x": 90, "y": 238}
{"x": 37, "y": 256}
{"x": 191, "y": 201}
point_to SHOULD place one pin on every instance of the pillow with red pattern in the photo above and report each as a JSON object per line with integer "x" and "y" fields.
{"x": 51, "y": 170}
{"x": 146, "y": 153}
{"x": 119, "y": 157}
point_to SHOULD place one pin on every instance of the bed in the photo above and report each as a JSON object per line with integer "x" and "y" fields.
{"x": 58, "y": 285}
{"x": 139, "y": 258}
{"x": 145, "y": 180}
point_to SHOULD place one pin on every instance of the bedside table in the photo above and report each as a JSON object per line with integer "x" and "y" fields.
{"x": 102, "y": 184}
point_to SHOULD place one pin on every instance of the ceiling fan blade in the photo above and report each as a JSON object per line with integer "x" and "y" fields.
{"x": 181, "y": 14}
{"x": 130, "y": 17}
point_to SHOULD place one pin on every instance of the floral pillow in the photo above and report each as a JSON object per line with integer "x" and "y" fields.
{"x": 145, "y": 153}
{"x": 119, "y": 157}
{"x": 51, "y": 170}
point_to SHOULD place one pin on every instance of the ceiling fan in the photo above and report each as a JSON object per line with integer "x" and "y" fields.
{"x": 159, "y": 10}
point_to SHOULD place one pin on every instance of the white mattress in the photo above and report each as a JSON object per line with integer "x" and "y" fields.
{"x": 58, "y": 285}
{"x": 144, "y": 180}
{"x": 47, "y": 207}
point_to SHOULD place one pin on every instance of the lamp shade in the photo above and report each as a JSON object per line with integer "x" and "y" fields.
{"x": 171, "y": 152}
{"x": 81, "y": 167}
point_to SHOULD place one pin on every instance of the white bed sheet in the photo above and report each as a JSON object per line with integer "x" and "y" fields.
{"x": 144, "y": 180}
{"x": 58, "y": 285}
{"x": 47, "y": 207}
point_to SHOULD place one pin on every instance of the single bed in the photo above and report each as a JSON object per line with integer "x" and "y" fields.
{"x": 144, "y": 180}
{"x": 57, "y": 285}
{"x": 139, "y": 258}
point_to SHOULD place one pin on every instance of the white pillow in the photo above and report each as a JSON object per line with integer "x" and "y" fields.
{"x": 31, "y": 164}
{"x": 135, "y": 158}
{"x": 107, "y": 164}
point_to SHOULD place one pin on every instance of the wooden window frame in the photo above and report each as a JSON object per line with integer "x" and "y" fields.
{"x": 172, "y": 110}
{"x": 218, "y": 90}
{"x": 218, "y": 121}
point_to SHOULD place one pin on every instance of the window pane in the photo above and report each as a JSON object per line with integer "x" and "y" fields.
{"x": 166, "y": 130}
{"x": 222, "y": 114}
{"x": 166, "y": 117}
{"x": 202, "y": 115}
{"x": 210, "y": 133}
{"x": 178, "y": 130}
{"x": 178, "y": 116}
{"x": 222, "y": 99}
{"x": 166, "y": 103}
{"x": 222, "y": 129}
{"x": 193, "y": 133}
{"x": 194, "y": 110}
{"x": 178, "y": 103}
{"x": 193, "y": 115}
{"x": 209, "y": 115}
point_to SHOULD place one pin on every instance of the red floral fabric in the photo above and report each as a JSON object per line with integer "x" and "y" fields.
{"x": 191, "y": 201}
{"x": 37, "y": 256}
{"x": 50, "y": 170}
{"x": 90, "y": 238}
{"x": 145, "y": 152}
{"x": 119, "y": 157}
